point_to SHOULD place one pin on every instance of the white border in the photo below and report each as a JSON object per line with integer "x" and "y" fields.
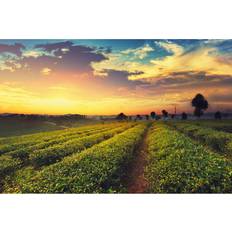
{"x": 114, "y": 213}
{"x": 107, "y": 19}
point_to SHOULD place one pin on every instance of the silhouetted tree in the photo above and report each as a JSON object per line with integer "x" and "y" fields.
{"x": 218, "y": 115}
{"x": 165, "y": 113}
{"x": 184, "y": 116}
{"x": 200, "y": 104}
{"x": 121, "y": 116}
{"x": 173, "y": 116}
{"x": 153, "y": 115}
{"x": 147, "y": 117}
{"x": 138, "y": 116}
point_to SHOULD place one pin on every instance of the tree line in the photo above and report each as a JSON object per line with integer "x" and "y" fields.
{"x": 199, "y": 103}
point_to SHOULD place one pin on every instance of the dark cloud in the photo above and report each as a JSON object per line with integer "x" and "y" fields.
{"x": 189, "y": 82}
{"x": 192, "y": 80}
{"x": 49, "y": 47}
{"x": 60, "y": 57}
{"x": 121, "y": 79}
{"x": 15, "y": 49}
{"x": 35, "y": 64}
{"x": 79, "y": 58}
{"x": 226, "y": 98}
{"x": 73, "y": 58}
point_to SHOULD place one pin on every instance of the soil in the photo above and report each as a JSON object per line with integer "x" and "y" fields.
{"x": 136, "y": 182}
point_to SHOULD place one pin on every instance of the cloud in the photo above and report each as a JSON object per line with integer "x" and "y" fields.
{"x": 78, "y": 58}
{"x": 10, "y": 65}
{"x": 180, "y": 87}
{"x": 46, "y": 71}
{"x": 36, "y": 64}
{"x": 15, "y": 49}
{"x": 117, "y": 79}
{"x": 67, "y": 57}
{"x": 62, "y": 57}
{"x": 140, "y": 52}
{"x": 32, "y": 53}
{"x": 183, "y": 81}
{"x": 202, "y": 57}
{"x": 171, "y": 47}
{"x": 224, "y": 98}
{"x": 54, "y": 46}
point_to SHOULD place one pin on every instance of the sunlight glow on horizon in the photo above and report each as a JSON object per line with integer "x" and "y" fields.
{"x": 67, "y": 78}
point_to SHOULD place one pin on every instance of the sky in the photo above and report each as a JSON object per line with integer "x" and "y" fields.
{"x": 106, "y": 77}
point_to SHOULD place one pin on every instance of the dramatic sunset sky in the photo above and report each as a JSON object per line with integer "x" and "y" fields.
{"x": 113, "y": 76}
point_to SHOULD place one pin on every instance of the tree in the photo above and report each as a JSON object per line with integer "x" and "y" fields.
{"x": 165, "y": 113}
{"x": 200, "y": 104}
{"x": 121, "y": 116}
{"x": 218, "y": 115}
{"x": 173, "y": 116}
{"x": 153, "y": 115}
{"x": 147, "y": 117}
{"x": 184, "y": 116}
{"x": 138, "y": 116}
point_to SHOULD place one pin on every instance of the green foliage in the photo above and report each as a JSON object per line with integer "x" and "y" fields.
{"x": 8, "y": 164}
{"x": 23, "y": 152}
{"x": 97, "y": 169}
{"x": 21, "y": 142}
{"x": 12, "y": 182}
{"x": 54, "y": 153}
{"x": 84, "y": 138}
{"x": 177, "y": 165}
{"x": 94, "y": 159}
{"x": 218, "y": 140}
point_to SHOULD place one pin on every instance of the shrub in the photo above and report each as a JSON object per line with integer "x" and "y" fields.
{"x": 22, "y": 142}
{"x": 57, "y": 152}
{"x": 218, "y": 140}
{"x": 8, "y": 164}
{"x": 97, "y": 169}
{"x": 23, "y": 153}
{"x": 177, "y": 165}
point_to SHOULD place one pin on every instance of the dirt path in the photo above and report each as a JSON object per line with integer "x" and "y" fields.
{"x": 136, "y": 182}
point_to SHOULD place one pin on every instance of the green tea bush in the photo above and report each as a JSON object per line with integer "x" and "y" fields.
{"x": 45, "y": 136}
{"x": 12, "y": 182}
{"x": 97, "y": 169}
{"x": 218, "y": 140}
{"x": 23, "y": 153}
{"x": 53, "y": 154}
{"x": 8, "y": 165}
{"x": 177, "y": 165}
{"x": 49, "y": 137}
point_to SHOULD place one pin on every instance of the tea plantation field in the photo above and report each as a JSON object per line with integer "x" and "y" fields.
{"x": 180, "y": 157}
